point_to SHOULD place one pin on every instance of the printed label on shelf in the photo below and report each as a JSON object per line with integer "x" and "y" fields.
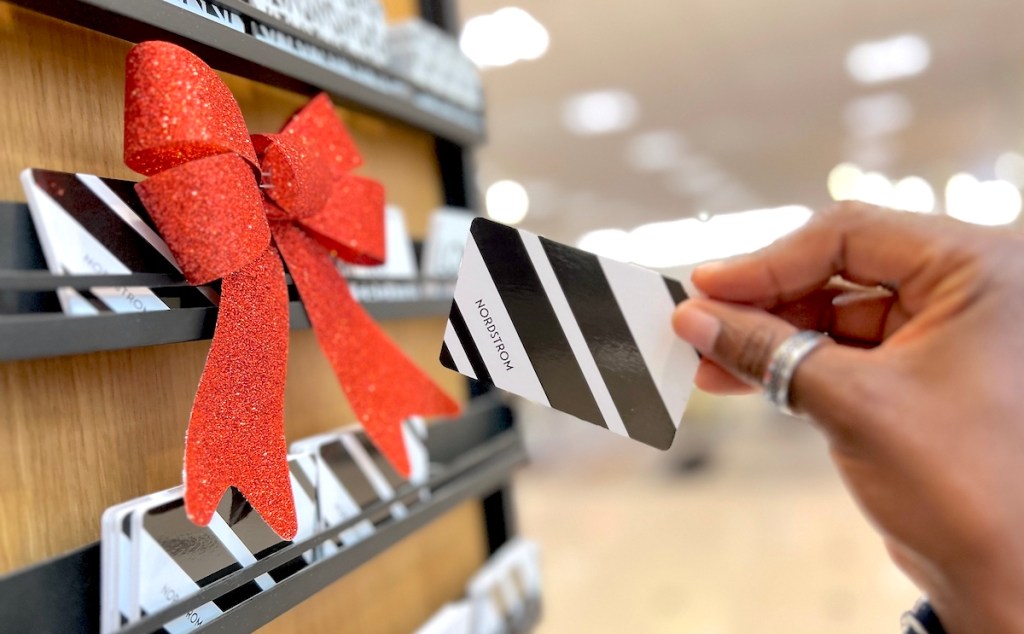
{"x": 211, "y": 11}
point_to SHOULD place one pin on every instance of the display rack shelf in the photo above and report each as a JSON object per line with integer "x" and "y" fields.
{"x": 199, "y": 25}
{"x": 471, "y": 456}
{"x": 50, "y": 334}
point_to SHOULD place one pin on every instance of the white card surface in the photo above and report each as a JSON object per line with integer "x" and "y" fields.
{"x": 570, "y": 330}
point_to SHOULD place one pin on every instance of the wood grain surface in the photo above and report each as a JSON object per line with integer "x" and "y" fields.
{"x": 80, "y": 433}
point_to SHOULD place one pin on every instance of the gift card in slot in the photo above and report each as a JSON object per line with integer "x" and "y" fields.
{"x": 453, "y": 618}
{"x": 350, "y": 481}
{"x": 507, "y": 589}
{"x": 256, "y": 540}
{"x": 98, "y": 226}
{"x": 446, "y": 240}
{"x": 171, "y": 558}
{"x": 582, "y": 334}
{"x": 400, "y": 262}
{"x": 117, "y": 575}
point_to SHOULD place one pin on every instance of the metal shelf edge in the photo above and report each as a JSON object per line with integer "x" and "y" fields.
{"x": 244, "y": 54}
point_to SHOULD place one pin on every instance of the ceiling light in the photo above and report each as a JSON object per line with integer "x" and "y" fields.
{"x": 984, "y": 203}
{"x": 689, "y": 241}
{"x": 599, "y": 112}
{"x": 842, "y": 181}
{"x": 507, "y": 202}
{"x": 654, "y": 151}
{"x": 877, "y": 115}
{"x": 610, "y": 243}
{"x": 913, "y": 193}
{"x": 1010, "y": 168}
{"x": 875, "y": 189}
{"x": 885, "y": 60}
{"x": 504, "y": 37}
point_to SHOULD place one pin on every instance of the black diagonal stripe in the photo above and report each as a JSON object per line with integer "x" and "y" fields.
{"x": 675, "y": 289}
{"x": 348, "y": 473}
{"x": 94, "y": 301}
{"x": 237, "y": 596}
{"x": 106, "y": 226}
{"x": 288, "y": 569}
{"x": 194, "y": 548}
{"x": 381, "y": 462}
{"x": 678, "y": 293}
{"x": 535, "y": 321}
{"x": 607, "y": 334}
{"x": 300, "y": 476}
{"x": 468, "y": 345}
{"x": 446, "y": 358}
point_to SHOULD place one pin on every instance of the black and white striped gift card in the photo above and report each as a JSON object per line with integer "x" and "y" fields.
{"x": 353, "y": 476}
{"x": 89, "y": 225}
{"x": 580, "y": 333}
{"x": 153, "y": 556}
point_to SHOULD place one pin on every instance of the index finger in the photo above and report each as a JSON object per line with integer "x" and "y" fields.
{"x": 866, "y": 244}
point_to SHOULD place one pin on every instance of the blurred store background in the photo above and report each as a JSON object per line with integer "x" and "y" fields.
{"x": 669, "y": 132}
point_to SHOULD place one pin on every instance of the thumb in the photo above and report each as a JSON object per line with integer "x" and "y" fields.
{"x": 742, "y": 339}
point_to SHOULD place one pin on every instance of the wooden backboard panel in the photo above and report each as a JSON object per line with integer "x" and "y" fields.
{"x": 80, "y": 433}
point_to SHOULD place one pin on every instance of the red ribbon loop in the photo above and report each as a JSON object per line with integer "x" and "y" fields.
{"x": 211, "y": 192}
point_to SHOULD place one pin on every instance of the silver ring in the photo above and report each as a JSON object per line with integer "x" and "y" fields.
{"x": 783, "y": 364}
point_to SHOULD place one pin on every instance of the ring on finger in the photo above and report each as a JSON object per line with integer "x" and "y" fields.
{"x": 783, "y": 364}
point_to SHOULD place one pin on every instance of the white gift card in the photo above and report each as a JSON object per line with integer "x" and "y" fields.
{"x": 446, "y": 240}
{"x": 570, "y": 330}
{"x": 400, "y": 258}
{"x": 153, "y": 556}
{"x": 97, "y": 226}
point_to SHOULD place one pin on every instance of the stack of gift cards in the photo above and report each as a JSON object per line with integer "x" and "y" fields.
{"x": 431, "y": 59}
{"x": 89, "y": 225}
{"x": 357, "y": 27}
{"x": 153, "y": 556}
{"x": 503, "y": 597}
{"x": 354, "y": 478}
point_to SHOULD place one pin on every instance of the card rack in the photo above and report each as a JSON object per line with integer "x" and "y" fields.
{"x": 199, "y": 25}
{"x": 32, "y": 327}
{"x": 470, "y": 457}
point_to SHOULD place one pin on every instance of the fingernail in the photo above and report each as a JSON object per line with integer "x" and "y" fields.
{"x": 698, "y": 327}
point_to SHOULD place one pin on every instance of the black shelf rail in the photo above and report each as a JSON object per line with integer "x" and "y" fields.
{"x": 471, "y": 457}
{"x": 32, "y": 332}
{"x": 199, "y": 25}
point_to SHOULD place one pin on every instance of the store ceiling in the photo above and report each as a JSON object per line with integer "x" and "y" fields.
{"x": 757, "y": 90}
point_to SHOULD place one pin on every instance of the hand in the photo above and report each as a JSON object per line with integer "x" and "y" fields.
{"x": 924, "y": 406}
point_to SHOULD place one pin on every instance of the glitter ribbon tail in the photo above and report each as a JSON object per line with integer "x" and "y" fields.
{"x": 383, "y": 385}
{"x": 236, "y": 432}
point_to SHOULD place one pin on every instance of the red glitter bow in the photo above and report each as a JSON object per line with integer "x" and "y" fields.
{"x": 218, "y": 196}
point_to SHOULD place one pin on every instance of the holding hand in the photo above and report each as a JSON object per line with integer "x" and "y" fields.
{"x": 921, "y": 396}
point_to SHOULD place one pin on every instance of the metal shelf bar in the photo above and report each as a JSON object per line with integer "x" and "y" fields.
{"x": 477, "y": 453}
{"x": 354, "y": 82}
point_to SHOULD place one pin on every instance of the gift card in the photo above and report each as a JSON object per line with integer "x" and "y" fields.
{"x": 158, "y": 557}
{"x": 452, "y": 618}
{"x": 400, "y": 262}
{"x": 354, "y": 476}
{"x": 507, "y": 587}
{"x": 446, "y": 239}
{"x": 97, "y": 226}
{"x": 573, "y": 331}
